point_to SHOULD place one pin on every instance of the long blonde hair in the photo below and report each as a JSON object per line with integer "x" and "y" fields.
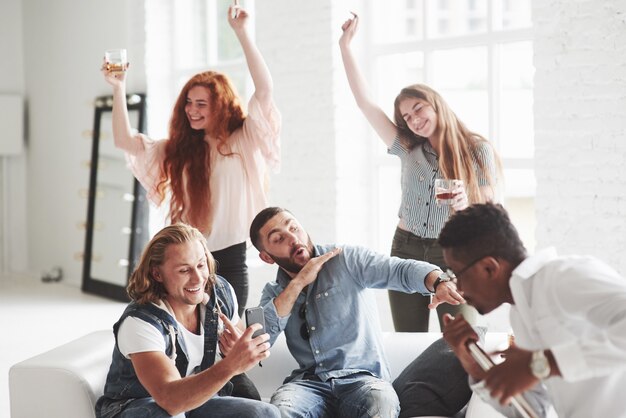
{"x": 142, "y": 287}
{"x": 458, "y": 146}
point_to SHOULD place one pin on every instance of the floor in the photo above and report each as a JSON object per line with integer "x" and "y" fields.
{"x": 36, "y": 317}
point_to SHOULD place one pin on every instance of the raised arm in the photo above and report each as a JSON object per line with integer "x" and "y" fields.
{"x": 381, "y": 123}
{"x": 263, "y": 86}
{"x": 122, "y": 133}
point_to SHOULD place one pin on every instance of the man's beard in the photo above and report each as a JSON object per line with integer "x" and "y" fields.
{"x": 289, "y": 265}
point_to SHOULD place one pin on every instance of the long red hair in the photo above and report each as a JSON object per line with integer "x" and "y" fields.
{"x": 186, "y": 168}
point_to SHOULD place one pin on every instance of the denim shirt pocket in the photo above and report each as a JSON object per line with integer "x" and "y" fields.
{"x": 331, "y": 305}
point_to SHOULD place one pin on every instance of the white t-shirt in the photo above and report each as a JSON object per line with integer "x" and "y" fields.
{"x": 138, "y": 336}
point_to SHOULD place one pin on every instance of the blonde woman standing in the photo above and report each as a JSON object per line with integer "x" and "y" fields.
{"x": 431, "y": 143}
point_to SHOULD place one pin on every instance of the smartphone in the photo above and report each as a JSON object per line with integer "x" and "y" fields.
{"x": 255, "y": 316}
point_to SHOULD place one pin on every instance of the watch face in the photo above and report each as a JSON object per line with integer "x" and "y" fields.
{"x": 539, "y": 365}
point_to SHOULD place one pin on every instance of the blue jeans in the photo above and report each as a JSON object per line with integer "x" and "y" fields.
{"x": 217, "y": 407}
{"x": 358, "y": 395}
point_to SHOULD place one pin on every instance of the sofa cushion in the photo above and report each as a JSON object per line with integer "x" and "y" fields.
{"x": 434, "y": 383}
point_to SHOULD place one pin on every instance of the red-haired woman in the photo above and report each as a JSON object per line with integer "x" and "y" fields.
{"x": 213, "y": 167}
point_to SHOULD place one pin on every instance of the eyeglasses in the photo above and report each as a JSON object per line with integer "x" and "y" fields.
{"x": 304, "y": 329}
{"x": 452, "y": 275}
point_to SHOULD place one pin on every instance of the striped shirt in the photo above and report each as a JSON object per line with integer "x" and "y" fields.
{"x": 419, "y": 169}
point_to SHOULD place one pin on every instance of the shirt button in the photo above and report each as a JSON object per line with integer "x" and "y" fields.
{"x": 312, "y": 328}
{"x": 321, "y": 364}
{"x": 325, "y": 293}
{"x": 317, "y": 351}
{"x": 424, "y": 223}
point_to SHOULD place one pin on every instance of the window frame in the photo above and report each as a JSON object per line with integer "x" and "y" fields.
{"x": 493, "y": 39}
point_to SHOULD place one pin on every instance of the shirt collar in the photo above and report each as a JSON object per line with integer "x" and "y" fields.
{"x": 430, "y": 153}
{"x": 534, "y": 263}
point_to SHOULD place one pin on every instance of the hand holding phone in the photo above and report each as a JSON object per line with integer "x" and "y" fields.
{"x": 256, "y": 316}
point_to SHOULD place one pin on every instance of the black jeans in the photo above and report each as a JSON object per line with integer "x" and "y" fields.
{"x": 410, "y": 312}
{"x": 231, "y": 265}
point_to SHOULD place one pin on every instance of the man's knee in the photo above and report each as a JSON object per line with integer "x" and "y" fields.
{"x": 295, "y": 400}
{"x": 264, "y": 410}
{"x": 375, "y": 398}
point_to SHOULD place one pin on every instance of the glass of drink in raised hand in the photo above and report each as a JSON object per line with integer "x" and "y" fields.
{"x": 445, "y": 190}
{"x": 115, "y": 60}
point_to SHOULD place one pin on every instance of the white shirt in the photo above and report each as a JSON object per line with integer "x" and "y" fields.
{"x": 576, "y": 307}
{"x": 138, "y": 336}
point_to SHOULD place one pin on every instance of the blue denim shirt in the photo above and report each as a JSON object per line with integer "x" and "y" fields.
{"x": 341, "y": 312}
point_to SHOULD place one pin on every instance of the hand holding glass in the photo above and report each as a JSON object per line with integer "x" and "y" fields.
{"x": 115, "y": 60}
{"x": 445, "y": 190}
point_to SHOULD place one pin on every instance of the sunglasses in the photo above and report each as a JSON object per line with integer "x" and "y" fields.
{"x": 304, "y": 329}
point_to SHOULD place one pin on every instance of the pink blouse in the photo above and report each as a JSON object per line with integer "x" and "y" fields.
{"x": 238, "y": 181}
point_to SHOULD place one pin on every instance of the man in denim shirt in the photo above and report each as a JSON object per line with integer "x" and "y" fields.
{"x": 320, "y": 299}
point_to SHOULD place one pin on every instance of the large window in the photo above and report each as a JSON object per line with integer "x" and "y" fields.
{"x": 478, "y": 55}
{"x": 204, "y": 40}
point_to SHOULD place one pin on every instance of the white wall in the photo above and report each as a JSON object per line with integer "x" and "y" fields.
{"x": 580, "y": 127}
{"x": 324, "y": 177}
{"x": 580, "y": 97}
{"x": 64, "y": 42}
{"x": 12, "y": 188}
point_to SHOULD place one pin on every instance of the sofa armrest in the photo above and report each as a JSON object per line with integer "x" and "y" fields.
{"x": 64, "y": 382}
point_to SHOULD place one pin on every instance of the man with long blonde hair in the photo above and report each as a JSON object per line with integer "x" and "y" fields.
{"x": 164, "y": 360}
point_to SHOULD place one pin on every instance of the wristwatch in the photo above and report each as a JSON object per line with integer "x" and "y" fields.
{"x": 539, "y": 365}
{"x": 443, "y": 277}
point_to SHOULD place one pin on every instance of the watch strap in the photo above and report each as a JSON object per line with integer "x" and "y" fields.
{"x": 443, "y": 277}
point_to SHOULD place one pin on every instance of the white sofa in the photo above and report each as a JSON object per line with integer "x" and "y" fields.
{"x": 66, "y": 381}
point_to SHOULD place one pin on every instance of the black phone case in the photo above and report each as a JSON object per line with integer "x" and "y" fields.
{"x": 255, "y": 316}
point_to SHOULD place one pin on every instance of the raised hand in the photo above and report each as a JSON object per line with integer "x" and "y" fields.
{"x": 349, "y": 28}
{"x": 309, "y": 272}
{"x": 114, "y": 78}
{"x": 237, "y": 17}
